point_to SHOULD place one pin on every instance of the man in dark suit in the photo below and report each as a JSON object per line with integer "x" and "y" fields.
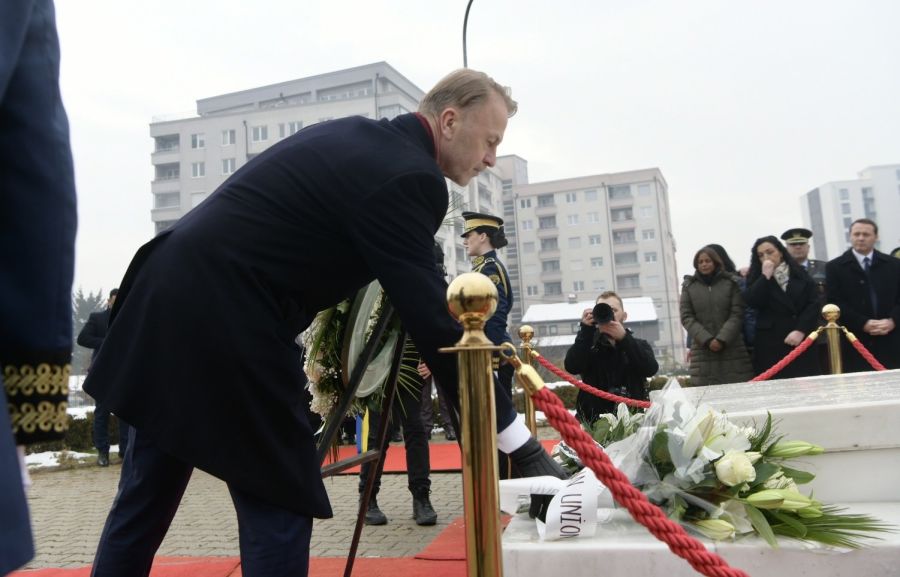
{"x": 37, "y": 257}
{"x": 91, "y": 337}
{"x": 200, "y": 356}
{"x": 865, "y": 284}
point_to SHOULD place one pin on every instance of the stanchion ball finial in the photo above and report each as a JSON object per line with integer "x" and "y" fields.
{"x": 472, "y": 293}
{"x": 526, "y": 333}
{"x": 831, "y": 313}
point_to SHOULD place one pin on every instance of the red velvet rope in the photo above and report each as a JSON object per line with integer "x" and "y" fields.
{"x": 641, "y": 509}
{"x": 788, "y": 359}
{"x": 861, "y": 349}
{"x": 587, "y": 388}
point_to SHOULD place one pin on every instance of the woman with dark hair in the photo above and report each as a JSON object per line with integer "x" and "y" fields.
{"x": 712, "y": 312}
{"x": 749, "y": 326}
{"x": 784, "y": 296}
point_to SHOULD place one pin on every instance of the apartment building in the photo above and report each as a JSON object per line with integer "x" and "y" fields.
{"x": 829, "y": 209}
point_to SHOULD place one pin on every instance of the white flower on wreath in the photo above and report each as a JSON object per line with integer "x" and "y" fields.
{"x": 736, "y": 467}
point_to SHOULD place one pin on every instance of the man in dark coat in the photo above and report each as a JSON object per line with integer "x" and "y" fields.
{"x": 37, "y": 256}
{"x": 92, "y": 335}
{"x": 609, "y": 358}
{"x": 865, "y": 284}
{"x": 200, "y": 356}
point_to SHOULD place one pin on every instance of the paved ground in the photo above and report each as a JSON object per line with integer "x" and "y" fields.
{"x": 69, "y": 507}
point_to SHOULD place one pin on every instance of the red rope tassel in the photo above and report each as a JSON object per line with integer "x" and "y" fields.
{"x": 641, "y": 509}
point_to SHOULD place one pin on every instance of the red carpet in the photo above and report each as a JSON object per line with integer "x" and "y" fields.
{"x": 162, "y": 567}
{"x": 445, "y": 456}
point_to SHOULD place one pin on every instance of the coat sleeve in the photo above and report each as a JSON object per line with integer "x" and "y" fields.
{"x": 839, "y": 290}
{"x": 640, "y": 355}
{"x": 91, "y": 333}
{"x": 496, "y": 327}
{"x": 757, "y": 294}
{"x": 578, "y": 357}
{"x": 695, "y": 329}
{"x": 393, "y": 230}
{"x": 809, "y": 309}
{"x": 731, "y": 329}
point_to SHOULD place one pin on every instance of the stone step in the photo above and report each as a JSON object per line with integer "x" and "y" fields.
{"x": 623, "y": 548}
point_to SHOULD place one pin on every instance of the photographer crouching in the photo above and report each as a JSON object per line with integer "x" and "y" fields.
{"x": 608, "y": 357}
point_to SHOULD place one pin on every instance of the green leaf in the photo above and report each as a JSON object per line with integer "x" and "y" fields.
{"x": 659, "y": 448}
{"x": 757, "y": 441}
{"x": 761, "y": 524}
{"x": 799, "y": 477}
{"x": 798, "y": 529}
{"x": 764, "y": 472}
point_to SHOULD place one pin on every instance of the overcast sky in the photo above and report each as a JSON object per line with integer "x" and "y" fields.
{"x": 743, "y": 106}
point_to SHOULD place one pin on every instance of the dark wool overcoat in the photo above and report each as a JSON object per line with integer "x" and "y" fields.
{"x": 200, "y": 353}
{"x": 778, "y": 312}
{"x": 848, "y": 286}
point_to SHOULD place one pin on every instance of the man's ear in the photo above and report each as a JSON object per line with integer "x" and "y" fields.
{"x": 448, "y": 121}
{"x": 624, "y": 317}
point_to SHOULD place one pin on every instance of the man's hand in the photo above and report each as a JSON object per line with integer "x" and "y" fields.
{"x": 587, "y": 317}
{"x": 533, "y": 461}
{"x": 716, "y": 345}
{"x": 614, "y": 329}
{"x": 879, "y": 327}
{"x": 424, "y": 371}
{"x": 794, "y": 338}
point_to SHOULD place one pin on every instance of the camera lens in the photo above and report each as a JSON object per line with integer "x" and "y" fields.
{"x": 603, "y": 313}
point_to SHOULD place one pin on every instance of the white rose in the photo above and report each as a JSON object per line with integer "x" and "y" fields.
{"x": 734, "y": 468}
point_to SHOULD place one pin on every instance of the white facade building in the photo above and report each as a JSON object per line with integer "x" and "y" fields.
{"x": 829, "y": 209}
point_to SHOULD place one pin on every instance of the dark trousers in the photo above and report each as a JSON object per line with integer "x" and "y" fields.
{"x": 428, "y": 409}
{"x": 274, "y": 541}
{"x": 16, "y": 545}
{"x": 406, "y": 412}
{"x": 100, "y": 432}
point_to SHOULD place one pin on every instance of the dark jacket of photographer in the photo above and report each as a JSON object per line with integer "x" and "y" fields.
{"x": 621, "y": 369}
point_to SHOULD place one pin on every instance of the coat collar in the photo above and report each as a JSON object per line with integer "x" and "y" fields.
{"x": 418, "y": 130}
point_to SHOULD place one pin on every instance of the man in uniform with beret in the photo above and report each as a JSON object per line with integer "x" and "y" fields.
{"x": 796, "y": 241}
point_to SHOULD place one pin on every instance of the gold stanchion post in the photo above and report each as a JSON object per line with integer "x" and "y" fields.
{"x": 526, "y": 333}
{"x": 472, "y": 299}
{"x": 831, "y": 314}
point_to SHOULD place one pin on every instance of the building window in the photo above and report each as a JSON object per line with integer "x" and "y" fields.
{"x": 549, "y": 244}
{"x": 577, "y": 264}
{"x": 527, "y": 247}
{"x": 527, "y": 224}
{"x": 164, "y": 225}
{"x": 227, "y": 165}
{"x": 531, "y": 290}
{"x": 845, "y": 194}
{"x": 598, "y": 285}
{"x": 578, "y": 286}
{"x": 596, "y": 262}
{"x": 845, "y": 208}
{"x": 198, "y": 140}
{"x": 546, "y": 222}
{"x": 260, "y": 133}
{"x": 620, "y": 191}
{"x": 550, "y": 266}
{"x": 198, "y": 169}
{"x": 593, "y": 217}
{"x": 847, "y": 222}
{"x": 623, "y": 236}
{"x": 294, "y": 127}
{"x": 575, "y": 327}
{"x": 547, "y": 330}
{"x": 197, "y": 198}
{"x": 648, "y": 234}
{"x": 650, "y": 257}
{"x": 574, "y": 242}
{"x": 621, "y": 214}
{"x": 595, "y": 239}
{"x": 646, "y": 211}
{"x": 572, "y": 219}
{"x": 626, "y": 258}
{"x": 571, "y": 198}
{"x": 631, "y": 281}
{"x": 228, "y": 137}
{"x": 525, "y": 203}
{"x": 552, "y": 288}
{"x": 166, "y": 200}
{"x": 590, "y": 195}
{"x": 545, "y": 200}
{"x": 643, "y": 190}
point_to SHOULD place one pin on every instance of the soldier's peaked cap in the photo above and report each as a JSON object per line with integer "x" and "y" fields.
{"x": 796, "y": 236}
{"x": 476, "y": 220}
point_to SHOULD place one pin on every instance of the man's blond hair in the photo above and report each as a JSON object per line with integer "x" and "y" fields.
{"x": 611, "y": 295}
{"x": 463, "y": 89}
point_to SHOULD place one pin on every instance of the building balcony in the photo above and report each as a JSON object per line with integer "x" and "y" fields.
{"x": 548, "y": 210}
{"x": 165, "y": 185}
{"x": 551, "y": 275}
{"x": 550, "y": 253}
{"x": 628, "y": 266}
{"x": 165, "y": 155}
{"x": 548, "y": 232}
{"x": 624, "y": 223}
{"x": 625, "y": 245}
{"x": 621, "y": 201}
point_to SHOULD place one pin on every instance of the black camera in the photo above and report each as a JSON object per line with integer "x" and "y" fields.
{"x": 603, "y": 314}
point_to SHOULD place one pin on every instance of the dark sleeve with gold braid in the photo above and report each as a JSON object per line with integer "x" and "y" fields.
{"x": 37, "y": 391}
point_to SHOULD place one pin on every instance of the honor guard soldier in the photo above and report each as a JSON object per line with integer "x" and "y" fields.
{"x": 482, "y": 236}
{"x": 796, "y": 241}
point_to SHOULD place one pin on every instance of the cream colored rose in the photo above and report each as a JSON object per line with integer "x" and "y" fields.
{"x": 734, "y": 468}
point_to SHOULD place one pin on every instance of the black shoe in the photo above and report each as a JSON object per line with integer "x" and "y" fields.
{"x": 348, "y": 440}
{"x": 450, "y": 435}
{"x": 374, "y": 516}
{"x": 103, "y": 460}
{"x": 396, "y": 437}
{"x": 423, "y": 512}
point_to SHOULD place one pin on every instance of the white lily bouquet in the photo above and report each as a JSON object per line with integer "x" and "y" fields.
{"x": 717, "y": 478}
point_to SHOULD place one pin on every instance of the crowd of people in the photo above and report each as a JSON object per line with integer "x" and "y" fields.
{"x": 741, "y": 322}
